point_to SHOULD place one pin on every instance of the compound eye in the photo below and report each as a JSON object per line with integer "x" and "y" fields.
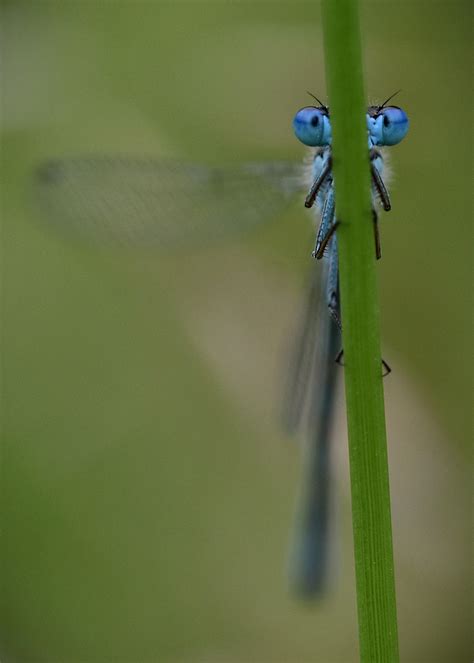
{"x": 389, "y": 126}
{"x": 312, "y": 127}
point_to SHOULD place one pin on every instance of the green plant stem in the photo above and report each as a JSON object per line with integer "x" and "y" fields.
{"x": 375, "y": 584}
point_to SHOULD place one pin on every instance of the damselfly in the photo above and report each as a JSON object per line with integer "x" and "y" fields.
{"x": 165, "y": 203}
{"x": 311, "y": 389}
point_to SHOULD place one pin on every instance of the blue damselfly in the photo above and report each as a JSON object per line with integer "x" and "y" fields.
{"x": 147, "y": 202}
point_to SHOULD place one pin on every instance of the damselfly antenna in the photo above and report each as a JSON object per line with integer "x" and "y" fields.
{"x": 319, "y": 102}
{"x": 387, "y": 100}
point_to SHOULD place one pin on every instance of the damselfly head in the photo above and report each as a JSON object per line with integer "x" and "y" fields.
{"x": 312, "y": 126}
{"x": 387, "y": 125}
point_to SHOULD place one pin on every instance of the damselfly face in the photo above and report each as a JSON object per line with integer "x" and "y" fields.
{"x": 386, "y": 125}
{"x": 312, "y": 126}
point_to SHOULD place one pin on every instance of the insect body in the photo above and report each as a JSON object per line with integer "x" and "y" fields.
{"x": 312, "y": 384}
{"x": 170, "y": 204}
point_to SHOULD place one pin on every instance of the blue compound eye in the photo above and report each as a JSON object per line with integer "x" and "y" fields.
{"x": 388, "y": 126}
{"x": 312, "y": 126}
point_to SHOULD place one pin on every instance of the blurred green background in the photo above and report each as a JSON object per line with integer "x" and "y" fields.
{"x": 147, "y": 489}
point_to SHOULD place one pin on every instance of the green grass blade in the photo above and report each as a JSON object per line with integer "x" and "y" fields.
{"x": 375, "y": 582}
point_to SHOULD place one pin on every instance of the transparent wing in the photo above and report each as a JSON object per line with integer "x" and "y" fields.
{"x": 309, "y": 403}
{"x": 305, "y": 351}
{"x": 142, "y": 202}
